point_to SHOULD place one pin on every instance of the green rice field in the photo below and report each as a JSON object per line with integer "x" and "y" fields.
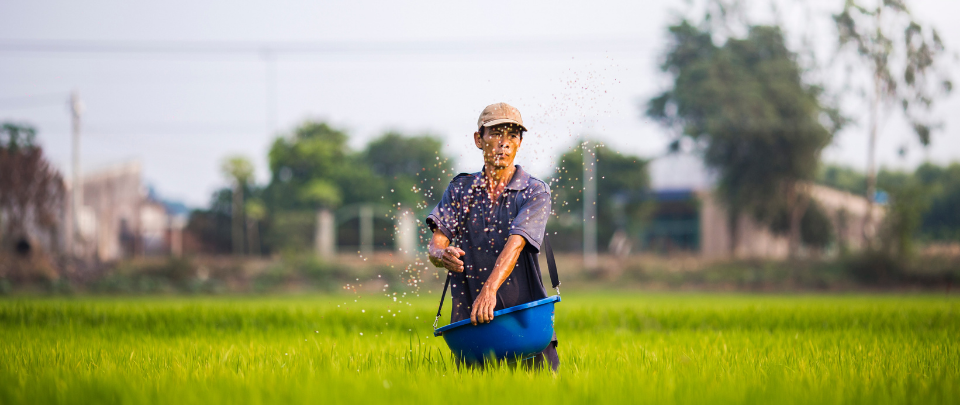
{"x": 615, "y": 348}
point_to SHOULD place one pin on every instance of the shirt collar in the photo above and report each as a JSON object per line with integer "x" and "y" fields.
{"x": 520, "y": 180}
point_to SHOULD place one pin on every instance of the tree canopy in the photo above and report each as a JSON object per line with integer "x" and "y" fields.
{"x": 622, "y": 184}
{"x": 923, "y": 202}
{"x": 312, "y": 168}
{"x": 746, "y": 105}
{"x": 32, "y": 192}
{"x": 413, "y": 168}
{"x": 902, "y": 56}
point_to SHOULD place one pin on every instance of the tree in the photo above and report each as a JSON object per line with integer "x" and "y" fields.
{"x": 941, "y": 222}
{"x": 909, "y": 200}
{"x": 32, "y": 193}
{"x": 313, "y": 168}
{"x": 255, "y": 212}
{"x": 238, "y": 170}
{"x": 213, "y": 226}
{"x": 413, "y": 168}
{"x": 922, "y": 204}
{"x": 842, "y": 178}
{"x": 903, "y": 68}
{"x": 759, "y": 125}
{"x": 622, "y": 184}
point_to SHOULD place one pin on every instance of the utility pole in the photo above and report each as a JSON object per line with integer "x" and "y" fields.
{"x": 589, "y": 206}
{"x": 868, "y": 230}
{"x": 76, "y": 108}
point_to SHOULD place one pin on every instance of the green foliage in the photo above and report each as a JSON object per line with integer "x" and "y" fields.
{"x": 903, "y": 68}
{"x": 614, "y": 348}
{"x": 255, "y": 209}
{"x": 212, "y": 226}
{"x": 923, "y": 204}
{"x": 291, "y": 231}
{"x": 842, "y": 178}
{"x": 301, "y": 269}
{"x": 942, "y": 219}
{"x": 32, "y": 191}
{"x": 909, "y": 199}
{"x": 875, "y": 267}
{"x": 413, "y": 168}
{"x": 238, "y": 169}
{"x": 313, "y": 168}
{"x": 622, "y": 185}
{"x": 745, "y": 102}
{"x": 816, "y": 229}
{"x": 321, "y": 192}
{"x": 16, "y": 136}
{"x": 169, "y": 276}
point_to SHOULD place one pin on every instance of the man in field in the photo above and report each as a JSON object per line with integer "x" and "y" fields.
{"x": 488, "y": 227}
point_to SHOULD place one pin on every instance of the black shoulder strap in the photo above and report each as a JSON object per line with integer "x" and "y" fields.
{"x": 551, "y": 267}
{"x": 551, "y": 263}
{"x": 442, "y": 296}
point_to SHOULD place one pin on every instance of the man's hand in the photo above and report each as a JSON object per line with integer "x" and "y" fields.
{"x": 443, "y": 255}
{"x": 487, "y": 300}
{"x": 448, "y": 258}
{"x": 483, "y": 306}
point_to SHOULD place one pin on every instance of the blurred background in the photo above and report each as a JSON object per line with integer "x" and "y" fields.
{"x": 298, "y": 146}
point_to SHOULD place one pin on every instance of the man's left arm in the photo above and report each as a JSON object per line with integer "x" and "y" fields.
{"x": 528, "y": 227}
{"x": 487, "y": 300}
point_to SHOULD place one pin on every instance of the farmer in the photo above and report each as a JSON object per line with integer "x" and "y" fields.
{"x": 488, "y": 227}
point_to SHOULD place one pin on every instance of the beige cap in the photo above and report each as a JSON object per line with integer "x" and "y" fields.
{"x": 500, "y": 113}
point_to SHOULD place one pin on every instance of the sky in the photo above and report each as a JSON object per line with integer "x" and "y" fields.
{"x": 573, "y": 69}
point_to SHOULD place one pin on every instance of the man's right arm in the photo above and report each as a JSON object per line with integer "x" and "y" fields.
{"x": 443, "y": 255}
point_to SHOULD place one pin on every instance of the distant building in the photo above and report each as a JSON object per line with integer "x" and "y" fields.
{"x": 121, "y": 218}
{"x": 689, "y": 217}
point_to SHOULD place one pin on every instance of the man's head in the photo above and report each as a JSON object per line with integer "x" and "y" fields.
{"x": 499, "y": 134}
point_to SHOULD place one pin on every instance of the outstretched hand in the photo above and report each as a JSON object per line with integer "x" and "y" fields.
{"x": 449, "y": 258}
{"x": 443, "y": 255}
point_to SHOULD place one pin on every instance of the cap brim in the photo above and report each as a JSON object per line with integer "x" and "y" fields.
{"x": 503, "y": 121}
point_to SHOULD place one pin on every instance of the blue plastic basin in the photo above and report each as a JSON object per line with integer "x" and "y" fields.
{"x": 518, "y": 332}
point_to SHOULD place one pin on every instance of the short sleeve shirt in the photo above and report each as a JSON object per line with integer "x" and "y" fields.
{"x": 480, "y": 227}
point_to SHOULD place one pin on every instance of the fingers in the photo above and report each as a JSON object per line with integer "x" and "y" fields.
{"x": 453, "y": 264}
{"x": 451, "y": 260}
{"x": 482, "y": 311}
{"x": 454, "y": 254}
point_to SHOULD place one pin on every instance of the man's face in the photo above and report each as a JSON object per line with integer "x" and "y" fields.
{"x": 499, "y": 144}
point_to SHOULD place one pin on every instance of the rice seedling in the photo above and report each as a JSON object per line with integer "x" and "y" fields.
{"x": 637, "y": 348}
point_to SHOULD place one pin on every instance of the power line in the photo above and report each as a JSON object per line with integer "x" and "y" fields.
{"x": 272, "y": 48}
{"x": 38, "y": 100}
